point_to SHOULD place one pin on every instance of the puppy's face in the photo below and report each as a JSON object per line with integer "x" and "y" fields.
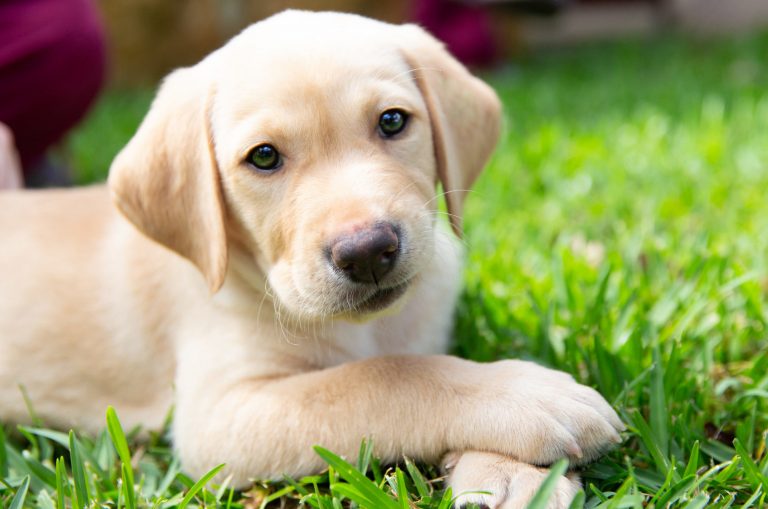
{"x": 328, "y": 167}
{"x": 320, "y": 140}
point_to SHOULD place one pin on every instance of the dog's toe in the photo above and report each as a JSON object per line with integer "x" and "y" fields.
{"x": 494, "y": 481}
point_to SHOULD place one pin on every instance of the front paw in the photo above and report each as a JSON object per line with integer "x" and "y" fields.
{"x": 540, "y": 415}
{"x": 500, "y": 482}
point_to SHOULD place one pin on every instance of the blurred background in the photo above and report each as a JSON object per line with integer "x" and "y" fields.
{"x": 59, "y": 57}
{"x": 147, "y": 38}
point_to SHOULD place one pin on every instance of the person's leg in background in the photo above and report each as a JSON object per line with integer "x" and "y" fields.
{"x": 10, "y": 169}
{"x": 52, "y": 66}
{"x": 464, "y": 27}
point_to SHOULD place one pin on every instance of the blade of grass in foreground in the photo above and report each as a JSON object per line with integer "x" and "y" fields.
{"x": 121, "y": 445}
{"x": 578, "y": 500}
{"x": 750, "y": 469}
{"x": 418, "y": 479}
{"x": 21, "y": 495}
{"x": 372, "y": 496}
{"x": 3, "y": 456}
{"x": 365, "y": 455}
{"x": 445, "y": 502}
{"x": 659, "y": 416}
{"x": 402, "y": 491}
{"x": 199, "y": 485}
{"x": 78, "y": 472}
{"x": 693, "y": 460}
{"x": 61, "y": 481}
{"x": 542, "y": 495}
{"x": 698, "y": 502}
{"x": 128, "y": 493}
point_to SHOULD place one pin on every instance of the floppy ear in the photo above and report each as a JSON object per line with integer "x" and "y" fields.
{"x": 464, "y": 112}
{"x": 166, "y": 180}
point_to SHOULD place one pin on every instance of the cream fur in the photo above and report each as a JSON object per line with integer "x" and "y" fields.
{"x": 265, "y": 355}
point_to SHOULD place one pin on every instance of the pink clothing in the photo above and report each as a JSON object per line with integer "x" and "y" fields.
{"x": 465, "y": 29}
{"x": 52, "y": 65}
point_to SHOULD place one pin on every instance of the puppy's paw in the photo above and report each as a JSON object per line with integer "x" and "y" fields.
{"x": 550, "y": 415}
{"x": 500, "y": 482}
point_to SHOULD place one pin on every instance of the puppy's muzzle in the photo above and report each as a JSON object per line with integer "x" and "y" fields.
{"x": 366, "y": 255}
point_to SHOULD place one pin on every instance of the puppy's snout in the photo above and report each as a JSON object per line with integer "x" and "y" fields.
{"x": 366, "y": 255}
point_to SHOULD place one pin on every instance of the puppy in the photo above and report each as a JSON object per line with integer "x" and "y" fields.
{"x": 271, "y": 263}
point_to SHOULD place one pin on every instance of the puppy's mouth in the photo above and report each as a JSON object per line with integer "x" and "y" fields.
{"x": 381, "y": 298}
{"x": 364, "y": 304}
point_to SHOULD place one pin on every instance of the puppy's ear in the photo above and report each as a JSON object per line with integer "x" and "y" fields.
{"x": 464, "y": 112}
{"x": 166, "y": 180}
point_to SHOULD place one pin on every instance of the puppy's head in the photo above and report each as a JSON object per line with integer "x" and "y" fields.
{"x": 314, "y": 142}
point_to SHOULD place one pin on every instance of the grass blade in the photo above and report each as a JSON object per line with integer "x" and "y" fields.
{"x": 3, "y": 455}
{"x": 578, "y": 500}
{"x": 56, "y": 436}
{"x": 651, "y": 442}
{"x": 364, "y": 456}
{"x": 402, "y": 490}
{"x": 541, "y": 497}
{"x": 78, "y": 472}
{"x": 128, "y": 491}
{"x": 619, "y": 496}
{"x": 659, "y": 416}
{"x": 676, "y": 491}
{"x": 755, "y": 476}
{"x": 693, "y": 460}
{"x": 199, "y": 485}
{"x": 62, "y": 483}
{"x": 44, "y": 500}
{"x": 272, "y": 496}
{"x": 21, "y": 495}
{"x": 173, "y": 469}
{"x": 718, "y": 450}
{"x": 445, "y": 502}
{"x": 352, "y": 493}
{"x": 118, "y": 439}
{"x": 418, "y": 479}
{"x": 698, "y": 502}
{"x": 365, "y": 486}
{"x": 117, "y": 435}
{"x": 41, "y": 471}
{"x": 755, "y": 495}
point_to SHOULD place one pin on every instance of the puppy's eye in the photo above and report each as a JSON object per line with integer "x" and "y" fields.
{"x": 265, "y": 157}
{"x": 392, "y": 122}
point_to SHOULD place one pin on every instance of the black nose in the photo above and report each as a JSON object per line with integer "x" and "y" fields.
{"x": 367, "y": 255}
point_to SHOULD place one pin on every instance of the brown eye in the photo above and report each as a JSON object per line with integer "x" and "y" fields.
{"x": 265, "y": 157}
{"x": 392, "y": 122}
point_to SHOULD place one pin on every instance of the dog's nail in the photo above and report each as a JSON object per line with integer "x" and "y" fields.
{"x": 575, "y": 451}
{"x": 614, "y": 419}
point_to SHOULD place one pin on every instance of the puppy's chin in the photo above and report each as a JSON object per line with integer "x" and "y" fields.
{"x": 381, "y": 299}
{"x": 338, "y": 300}
{"x": 382, "y": 302}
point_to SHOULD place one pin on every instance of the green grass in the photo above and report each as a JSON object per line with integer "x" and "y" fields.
{"x": 620, "y": 233}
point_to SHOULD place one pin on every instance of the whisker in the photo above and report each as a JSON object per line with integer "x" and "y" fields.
{"x": 410, "y": 73}
{"x": 400, "y": 192}
{"x": 444, "y": 193}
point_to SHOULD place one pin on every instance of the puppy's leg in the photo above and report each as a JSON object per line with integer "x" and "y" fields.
{"x": 418, "y": 406}
{"x": 500, "y": 482}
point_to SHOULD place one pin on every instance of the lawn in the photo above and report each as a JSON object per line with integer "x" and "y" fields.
{"x": 620, "y": 233}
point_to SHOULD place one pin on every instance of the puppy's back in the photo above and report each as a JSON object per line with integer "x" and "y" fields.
{"x": 62, "y": 338}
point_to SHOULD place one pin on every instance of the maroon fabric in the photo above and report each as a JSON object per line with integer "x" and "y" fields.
{"x": 465, "y": 29}
{"x": 52, "y": 65}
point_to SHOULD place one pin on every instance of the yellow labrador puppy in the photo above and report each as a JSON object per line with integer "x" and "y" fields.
{"x": 274, "y": 267}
